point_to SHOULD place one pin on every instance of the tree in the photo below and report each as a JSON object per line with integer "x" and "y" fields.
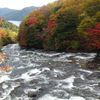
{"x": 94, "y": 33}
{"x": 1, "y": 20}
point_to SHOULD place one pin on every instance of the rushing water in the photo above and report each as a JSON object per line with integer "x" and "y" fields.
{"x": 39, "y": 75}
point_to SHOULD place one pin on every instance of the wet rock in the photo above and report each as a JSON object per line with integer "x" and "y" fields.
{"x": 92, "y": 65}
{"x": 99, "y": 85}
{"x": 93, "y": 76}
{"x": 40, "y": 92}
{"x": 41, "y": 89}
{"x": 31, "y": 95}
{"x": 78, "y": 82}
{"x": 19, "y": 80}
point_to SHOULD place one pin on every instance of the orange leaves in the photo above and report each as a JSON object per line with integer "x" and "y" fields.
{"x": 3, "y": 33}
{"x": 2, "y": 57}
{"x": 5, "y": 68}
{"x": 1, "y": 22}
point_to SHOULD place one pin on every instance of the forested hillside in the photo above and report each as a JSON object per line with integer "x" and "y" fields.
{"x": 64, "y": 25}
{"x": 8, "y": 32}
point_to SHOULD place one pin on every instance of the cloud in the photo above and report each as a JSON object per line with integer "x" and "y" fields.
{"x": 19, "y": 4}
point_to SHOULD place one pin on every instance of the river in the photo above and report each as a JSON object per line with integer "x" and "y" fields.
{"x": 48, "y": 75}
{"x": 17, "y": 23}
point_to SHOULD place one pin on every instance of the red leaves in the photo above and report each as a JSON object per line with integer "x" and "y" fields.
{"x": 32, "y": 20}
{"x": 51, "y": 24}
{"x": 40, "y": 35}
{"x": 23, "y": 40}
{"x": 94, "y": 34}
{"x": 97, "y": 26}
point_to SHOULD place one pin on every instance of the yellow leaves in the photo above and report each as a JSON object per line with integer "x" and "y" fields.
{"x": 13, "y": 36}
{"x": 41, "y": 15}
{"x": 3, "y": 33}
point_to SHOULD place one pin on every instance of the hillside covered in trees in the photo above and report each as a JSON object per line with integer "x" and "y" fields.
{"x": 8, "y": 32}
{"x": 64, "y": 25}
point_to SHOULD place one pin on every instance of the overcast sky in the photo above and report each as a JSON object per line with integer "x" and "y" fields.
{"x": 20, "y": 4}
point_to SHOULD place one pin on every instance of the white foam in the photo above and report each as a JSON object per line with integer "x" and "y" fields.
{"x": 4, "y": 78}
{"x": 33, "y": 65}
{"x": 50, "y": 97}
{"x": 21, "y": 98}
{"x": 76, "y": 98}
{"x": 27, "y": 76}
{"x": 16, "y": 59}
{"x": 69, "y": 82}
{"x": 90, "y": 55}
{"x": 30, "y": 90}
{"x": 45, "y": 69}
{"x": 4, "y": 86}
{"x": 87, "y": 71}
{"x": 34, "y": 71}
{"x": 59, "y": 71}
{"x": 82, "y": 77}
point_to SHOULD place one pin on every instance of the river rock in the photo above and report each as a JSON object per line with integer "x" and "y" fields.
{"x": 92, "y": 65}
{"x": 31, "y": 95}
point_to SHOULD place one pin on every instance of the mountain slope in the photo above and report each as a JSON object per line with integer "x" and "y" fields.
{"x": 18, "y": 14}
{"x": 4, "y": 11}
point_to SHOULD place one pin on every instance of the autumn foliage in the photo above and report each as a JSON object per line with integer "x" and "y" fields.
{"x": 8, "y": 32}
{"x": 31, "y": 20}
{"x": 64, "y": 25}
{"x": 94, "y": 34}
{"x": 1, "y": 21}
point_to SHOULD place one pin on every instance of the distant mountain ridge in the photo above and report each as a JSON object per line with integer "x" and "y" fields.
{"x": 12, "y": 14}
{"x": 4, "y": 11}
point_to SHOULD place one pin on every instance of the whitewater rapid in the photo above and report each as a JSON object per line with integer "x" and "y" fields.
{"x": 48, "y": 75}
